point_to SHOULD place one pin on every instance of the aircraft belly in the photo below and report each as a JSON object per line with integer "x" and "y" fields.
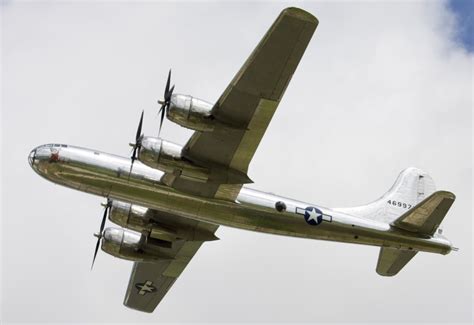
{"x": 107, "y": 175}
{"x": 163, "y": 198}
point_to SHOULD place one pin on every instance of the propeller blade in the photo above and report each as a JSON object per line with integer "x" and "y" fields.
{"x": 167, "y": 88}
{"x": 162, "y": 117}
{"x": 96, "y": 250}
{"x": 138, "y": 140}
{"x": 102, "y": 225}
{"x": 131, "y": 167}
{"x": 139, "y": 130}
{"x": 133, "y": 158}
{"x": 171, "y": 91}
{"x": 165, "y": 103}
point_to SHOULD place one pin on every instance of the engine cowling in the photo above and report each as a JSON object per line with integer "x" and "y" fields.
{"x": 140, "y": 219}
{"x": 190, "y": 112}
{"x": 132, "y": 246}
{"x": 130, "y": 216}
{"x": 167, "y": 156}
{"x": 147, "y": 221}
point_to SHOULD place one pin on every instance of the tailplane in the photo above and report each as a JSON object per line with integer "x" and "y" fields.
{"x": 427, "y": 215}
{"x": 392, "y": 260}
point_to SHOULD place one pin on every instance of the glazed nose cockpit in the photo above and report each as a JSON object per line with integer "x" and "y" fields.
{"x": 45, "y": 153}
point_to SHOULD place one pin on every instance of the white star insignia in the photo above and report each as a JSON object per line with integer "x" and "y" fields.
{"x": 314, "y": 215}
{"x": 145, "y": 288}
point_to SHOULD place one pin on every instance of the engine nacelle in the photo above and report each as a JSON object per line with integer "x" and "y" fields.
{"x": 148, "y": 222}
{"x": 131, "y": 246}
{"x": 140, "y": 219}
{"x": 191, "y": 112}
{"x": 130, "y": 216}
{"x": 167, "y": 156}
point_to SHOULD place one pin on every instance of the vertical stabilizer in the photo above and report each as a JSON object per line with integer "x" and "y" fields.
{"x": 411, "y": 187}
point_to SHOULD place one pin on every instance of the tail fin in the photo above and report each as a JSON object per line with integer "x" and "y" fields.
{"x": 411, "y": 187}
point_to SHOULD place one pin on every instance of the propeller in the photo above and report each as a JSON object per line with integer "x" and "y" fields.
{"x": 165, "y": 103}
{"x": 138, "y": 142}
{"x": 99, "y": 235}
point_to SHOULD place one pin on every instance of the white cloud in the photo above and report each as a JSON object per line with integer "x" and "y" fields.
{"x": 382, "y": 86}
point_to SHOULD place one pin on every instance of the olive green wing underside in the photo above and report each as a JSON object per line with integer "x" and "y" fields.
{"x": 427, "y": 215}
{"x": 246, "y": 107}
{"x": 149, "y": 282}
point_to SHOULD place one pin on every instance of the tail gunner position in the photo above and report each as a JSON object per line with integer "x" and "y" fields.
{"x": 170, "y": 199}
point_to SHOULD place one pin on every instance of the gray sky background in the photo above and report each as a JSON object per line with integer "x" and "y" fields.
{"x": 382, "y": 86}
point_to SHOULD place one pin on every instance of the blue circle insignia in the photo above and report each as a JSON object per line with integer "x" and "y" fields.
{"x": 313, "y": 216}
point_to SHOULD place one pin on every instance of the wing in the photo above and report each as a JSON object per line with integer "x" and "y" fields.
{"x": 149, "y": 282}
{"x": 427, "y": 215}
{"x": 246, "y": 107}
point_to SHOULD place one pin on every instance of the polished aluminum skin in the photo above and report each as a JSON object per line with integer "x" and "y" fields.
{"x": 191, "y": 112}
{"x": 176, "y": 197}
{"x": 167, "y": 156}
{"x": 109, "y": 176}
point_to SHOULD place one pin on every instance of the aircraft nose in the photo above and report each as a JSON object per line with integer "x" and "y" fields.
{"x": 40, "y": 157}
{"x": 31, "y": 157}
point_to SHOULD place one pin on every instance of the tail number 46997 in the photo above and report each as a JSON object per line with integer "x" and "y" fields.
{"x": 399, "y": 204}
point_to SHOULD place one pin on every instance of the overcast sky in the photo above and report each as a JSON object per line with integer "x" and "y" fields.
{"x": 382, "y": 86}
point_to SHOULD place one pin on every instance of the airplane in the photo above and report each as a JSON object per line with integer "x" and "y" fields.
{"x": 170, "y": 199}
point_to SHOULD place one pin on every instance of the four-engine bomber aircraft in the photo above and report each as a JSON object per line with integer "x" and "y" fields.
{"x": 173, "y": 198}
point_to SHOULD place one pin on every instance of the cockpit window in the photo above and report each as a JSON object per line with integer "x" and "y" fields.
{"x": 55, "y": 145}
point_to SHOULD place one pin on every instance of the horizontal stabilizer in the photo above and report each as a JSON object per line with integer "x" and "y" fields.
{"x": 427, "y": 215}
{"x": 392, "y": 260}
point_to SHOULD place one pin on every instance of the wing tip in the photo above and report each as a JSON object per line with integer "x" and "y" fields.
{"x": 385, "y": 274}
{"x": 447, "y": 194}
{"x": 300, "y": 14}
{"x": 138, "y": 308}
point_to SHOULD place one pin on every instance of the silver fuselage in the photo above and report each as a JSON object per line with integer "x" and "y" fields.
{"x": 109, "y": 175}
